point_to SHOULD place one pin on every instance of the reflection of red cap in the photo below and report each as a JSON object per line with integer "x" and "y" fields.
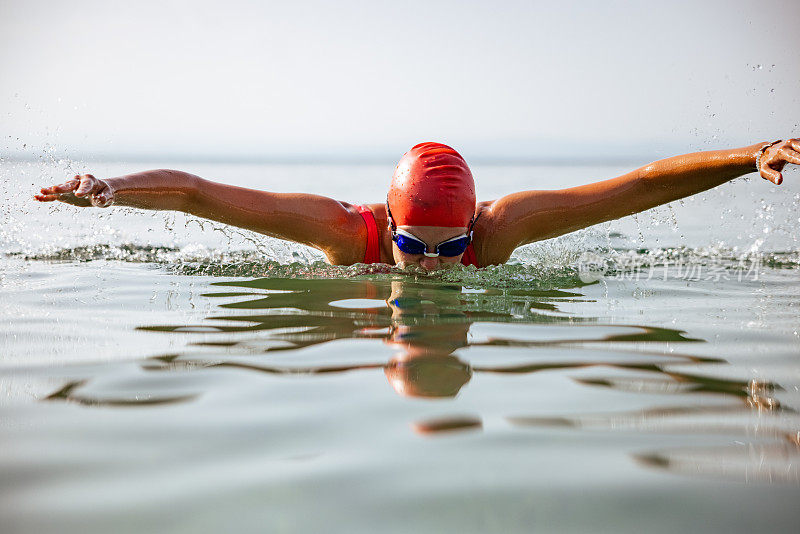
{"x": 432, "y": 186}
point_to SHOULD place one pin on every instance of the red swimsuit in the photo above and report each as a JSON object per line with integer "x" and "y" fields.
{"x": 373, "y": 252}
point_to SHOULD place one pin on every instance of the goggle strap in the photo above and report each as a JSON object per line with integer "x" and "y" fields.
{"x": 392, "y": 226}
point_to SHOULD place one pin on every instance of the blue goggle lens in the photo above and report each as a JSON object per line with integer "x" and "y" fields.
{"x": 409, "y": 245}
{"x": 453, "y": 248}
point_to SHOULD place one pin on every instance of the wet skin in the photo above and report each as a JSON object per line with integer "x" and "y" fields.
{"x": 338, "y": 230}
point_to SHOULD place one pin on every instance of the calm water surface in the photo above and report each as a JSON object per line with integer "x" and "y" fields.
{"x": 190, "y": 380}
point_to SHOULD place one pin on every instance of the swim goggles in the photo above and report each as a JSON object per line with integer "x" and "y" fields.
{"x": 411, "y": 244}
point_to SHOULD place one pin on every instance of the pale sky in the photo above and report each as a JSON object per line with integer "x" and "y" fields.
{"x": 346, "y": 79}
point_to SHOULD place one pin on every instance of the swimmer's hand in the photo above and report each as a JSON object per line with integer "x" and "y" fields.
{"x": 83, "y": 190}
{"x": 775, "y": 158}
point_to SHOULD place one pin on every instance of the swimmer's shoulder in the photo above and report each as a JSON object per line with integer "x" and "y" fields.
{"x": 354, "y": 253}
{"x": 490, "y": 247}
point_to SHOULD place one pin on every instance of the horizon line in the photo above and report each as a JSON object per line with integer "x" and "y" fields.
{"x": 317, "y": 159}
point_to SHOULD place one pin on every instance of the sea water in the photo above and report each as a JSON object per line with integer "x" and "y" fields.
{"x": 164, "y": 373}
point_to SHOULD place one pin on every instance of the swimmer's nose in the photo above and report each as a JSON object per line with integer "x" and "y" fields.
{"x": 429, "y": 264}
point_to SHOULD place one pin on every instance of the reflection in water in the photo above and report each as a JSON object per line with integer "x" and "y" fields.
{"x": 427, "y": 327}
{"x": 68, "y": 393}
{"x": 447, "y": 424}
{"x": 429, "y": 324}
{"x": 771, "y": 462}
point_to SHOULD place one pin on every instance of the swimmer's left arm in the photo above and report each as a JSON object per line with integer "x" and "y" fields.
{"x": 531, "y": 216}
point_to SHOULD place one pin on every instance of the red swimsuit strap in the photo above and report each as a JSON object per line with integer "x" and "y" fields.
{"x": 373, "y": 252}
{"x": 469, "y": 257}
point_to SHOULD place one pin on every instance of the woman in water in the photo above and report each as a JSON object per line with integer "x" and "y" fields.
{"x": 431, "y": 216}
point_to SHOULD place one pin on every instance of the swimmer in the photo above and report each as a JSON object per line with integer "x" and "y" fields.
{"x": 431, "y": 217}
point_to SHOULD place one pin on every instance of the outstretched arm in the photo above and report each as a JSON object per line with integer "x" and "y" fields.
{"x": 333, "y": 227}
{"x": 531, "y": 216}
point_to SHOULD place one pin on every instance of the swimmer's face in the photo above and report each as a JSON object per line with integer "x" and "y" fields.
{"x": 432, "y": 236}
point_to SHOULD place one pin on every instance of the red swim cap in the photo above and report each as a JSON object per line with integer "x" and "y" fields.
{"x": 432, "y": 186}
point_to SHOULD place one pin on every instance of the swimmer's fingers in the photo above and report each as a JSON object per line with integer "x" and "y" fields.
{"x": 45, "y": 198}
{"x": 775, "y": 159}
{"x": 770, "y": 174}
{"x": 791, "y": 150}
{"x": 61, "y": 192}
{"x": 66, "y": 187}
{"x": 766, "y": 171}
{"x": 83, "y": 190}
{"x": 790, "y": 155}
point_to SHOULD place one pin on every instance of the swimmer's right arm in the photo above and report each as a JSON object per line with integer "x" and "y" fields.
{"x": 333, "y": 227}
{"x": 160, "y": 189}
